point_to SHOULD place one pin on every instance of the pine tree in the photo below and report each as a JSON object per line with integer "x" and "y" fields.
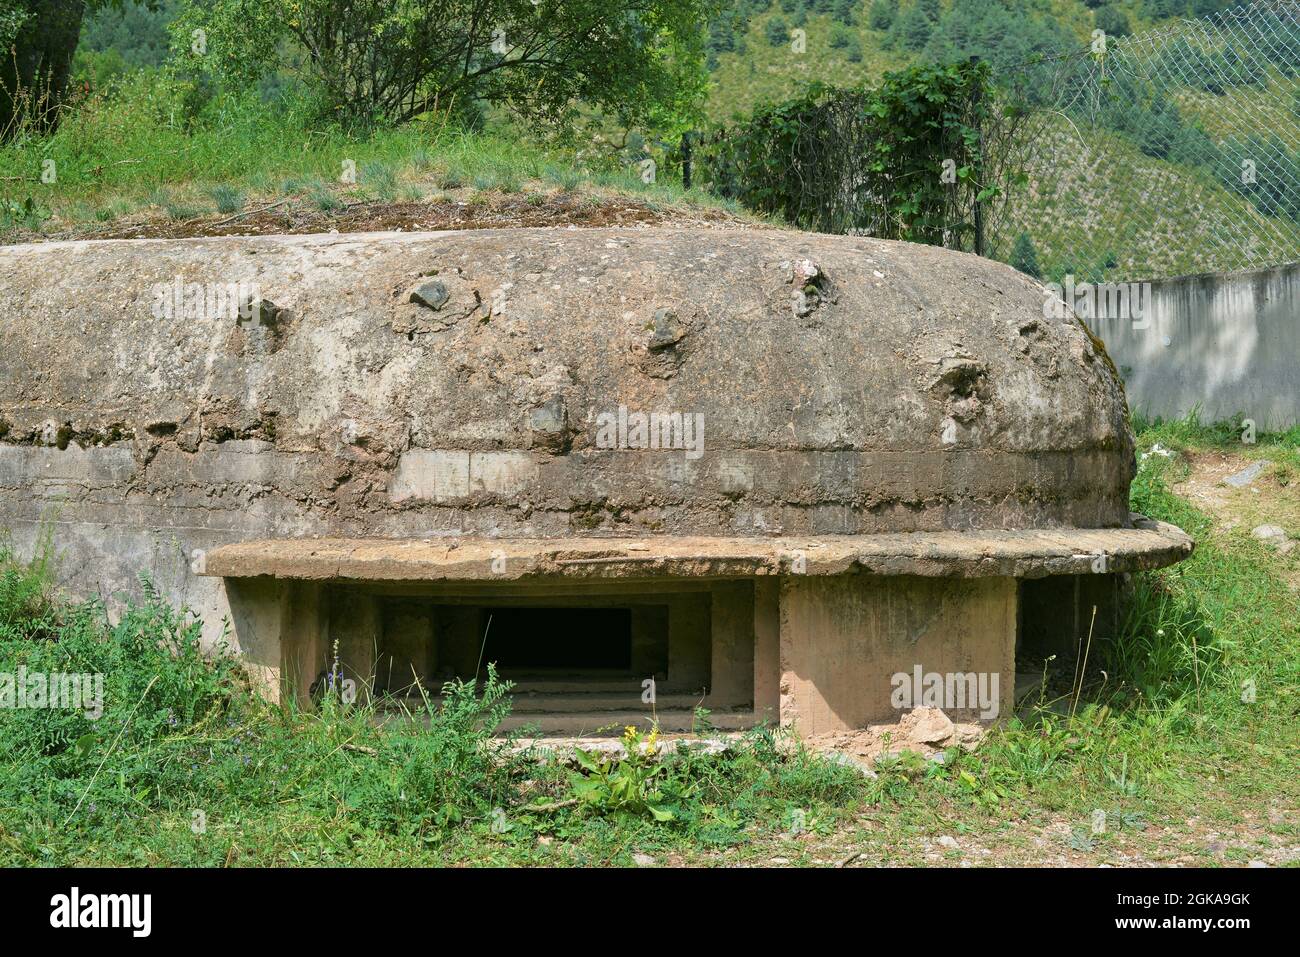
{"x": 1024, "y": 257}
{"x": 883, "y": 14}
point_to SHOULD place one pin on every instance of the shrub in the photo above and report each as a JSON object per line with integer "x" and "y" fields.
{"x": 864, "y": 159}
{"x": 882, "y": 14}
{"x": 777, "y": 31}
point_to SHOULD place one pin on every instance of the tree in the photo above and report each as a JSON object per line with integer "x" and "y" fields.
{"x": 777, "y": 31}
{"x": 882, "y": 14}
{"x": 38, "y": 39}
{"x": 1024, "y": 257}
{"x": 1112, "y": 20}
{"x": 1159, "y": 9}
{"x": 1003, "y": 33}
{"x": 639, "y": 61}
{"x": 917, "y": 23}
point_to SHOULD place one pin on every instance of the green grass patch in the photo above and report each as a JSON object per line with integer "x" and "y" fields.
{"x": 147, "y": 141}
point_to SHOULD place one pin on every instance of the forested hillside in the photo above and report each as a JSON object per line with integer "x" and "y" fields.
{"x": 752, "y": 57}
{"x": 1177, "y": 153}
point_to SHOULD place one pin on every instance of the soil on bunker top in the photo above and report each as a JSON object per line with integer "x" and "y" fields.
{"x": 298, "y": 216}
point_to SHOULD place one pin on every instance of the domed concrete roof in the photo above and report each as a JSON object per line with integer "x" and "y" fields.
{"x": 489, "y": 383}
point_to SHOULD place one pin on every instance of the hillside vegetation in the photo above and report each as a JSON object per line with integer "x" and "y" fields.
{"x": 155, "y": 140}
{"x": 754, "y": 60}
{"x": 1137, "y": 174}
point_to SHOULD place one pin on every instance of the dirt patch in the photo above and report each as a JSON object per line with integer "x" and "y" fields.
{"x": 1205, "y": 485}
{"x": 1268, "y": 498}
{"x": 295, "y": 216}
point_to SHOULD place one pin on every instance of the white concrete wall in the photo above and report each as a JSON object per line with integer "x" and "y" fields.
{"x": 1229, "y": 342}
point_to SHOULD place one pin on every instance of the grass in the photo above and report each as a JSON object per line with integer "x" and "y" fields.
{"x": 186, "y": 766}
{"x": 140, "y": 148}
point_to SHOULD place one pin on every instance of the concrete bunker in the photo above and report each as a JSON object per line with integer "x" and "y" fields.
{"x": 770, "y": 472}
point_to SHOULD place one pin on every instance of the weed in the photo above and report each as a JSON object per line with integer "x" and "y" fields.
{"x": 633, "y": 784}
{"x": 229, "y": 199}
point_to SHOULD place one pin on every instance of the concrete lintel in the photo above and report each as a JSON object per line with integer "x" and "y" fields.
{"x": 1029, "y": 553}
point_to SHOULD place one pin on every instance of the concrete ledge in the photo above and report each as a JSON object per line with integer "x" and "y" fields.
{"x": 1032, "y": 553}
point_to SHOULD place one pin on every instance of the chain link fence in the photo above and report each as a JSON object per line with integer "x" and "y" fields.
{"x": 1170, "y": 152}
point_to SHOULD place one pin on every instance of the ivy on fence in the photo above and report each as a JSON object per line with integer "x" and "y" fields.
{"x": 903, "y": 160}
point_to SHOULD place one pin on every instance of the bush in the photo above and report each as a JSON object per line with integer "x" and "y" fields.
{"x": 837, "y": 160}
{"x": 777, "y": 31}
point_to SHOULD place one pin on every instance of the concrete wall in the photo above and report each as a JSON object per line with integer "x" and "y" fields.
{"x": 1229, "y": 342}
{"x": 844, "y": 638}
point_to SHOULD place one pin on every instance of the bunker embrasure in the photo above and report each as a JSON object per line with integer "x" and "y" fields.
{"x": 760, "y": 471}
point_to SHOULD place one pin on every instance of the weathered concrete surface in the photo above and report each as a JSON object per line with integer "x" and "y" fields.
{"x": 1023, "y": 554}
{"x": 903, "y": 388}
{"x": 843, "y": 639}
{"x": 1226, "y": 342}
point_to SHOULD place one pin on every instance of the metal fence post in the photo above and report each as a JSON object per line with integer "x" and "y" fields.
{"x": 686, "y": 160}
